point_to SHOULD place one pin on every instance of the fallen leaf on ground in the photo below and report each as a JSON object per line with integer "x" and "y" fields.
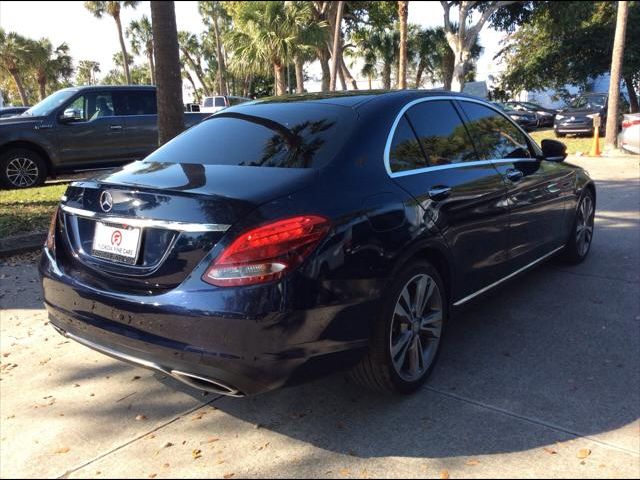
{"x": 228, "y": 475}
{"x": 167, "y": 445}
{"x": 63, "y": 450}
{"x": 141, "y": 417}
{"x": 166, "y": 465}
{"x": 345, "y": 472}
{"x": 584, "y": 453}
{"x": 444, "y": 474}
{"x": 153, "y": 475}
{"x": 135, "y": 378}
{"x": 473, "y": 462}
{"x": 197, "y": 453}
{"x": 550, "y": 451}
{"x": 212, "y": 439}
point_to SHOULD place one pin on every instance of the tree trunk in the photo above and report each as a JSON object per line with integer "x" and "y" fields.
{"x": 347, "y": 74}
{"x": 196, "y": 97}
{"x": 386, "y": 76}
{"x": 20, "y": 86}
{"x": 419, "y": 72}
{"x": 169, "y": 78}
{"x": 323, "y": 57}
{"x": 343, "y": 83}
{"x": 299, "y": 64}
{"x": 125, "y": 57}
{"x": 616, "y": 68}
{"x": 198, "y": 70}
{"x": 335, "y": 51}
{"x": 633, "y": 97}
{"x": 370, "y": 83}
{"x": 403, "y": 11}
{"x": 152, "y": 67}
{"x": 221, "y": 66}
{"x": 460, "y": 62}
{"x": 278, "y": 73}
{"x": 448, "y": 61}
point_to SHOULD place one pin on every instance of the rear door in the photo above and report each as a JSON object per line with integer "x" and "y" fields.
{"x": 95, "y": 138}
{"x": 464, "y": 197}
{"x": 140, "y": 113}
{"x": 536, "y": 190}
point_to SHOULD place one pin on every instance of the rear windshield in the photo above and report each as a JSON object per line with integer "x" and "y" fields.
{"x": 286, "y": 135}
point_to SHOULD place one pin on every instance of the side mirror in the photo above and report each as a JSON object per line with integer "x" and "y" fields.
{"x": 553, "y": 150}
{"x": 71, "y": 115}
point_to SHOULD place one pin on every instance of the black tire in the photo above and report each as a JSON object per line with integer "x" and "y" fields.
{"x": 377, "y": 371}
{"x": 575, "y": 251}
{"x": 22, "y": 168}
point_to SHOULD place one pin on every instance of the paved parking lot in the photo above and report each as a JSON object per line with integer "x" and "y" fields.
{"x": 539, "y": 379}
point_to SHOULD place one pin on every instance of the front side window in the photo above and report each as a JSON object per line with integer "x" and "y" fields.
{"x": 91, "y": 106}
{"x": 494, "y": 136}
{"x": 405, "y": 153}
{"x": 442, "y": 134}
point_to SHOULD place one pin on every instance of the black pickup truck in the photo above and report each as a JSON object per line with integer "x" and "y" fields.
{"x": 81, "y": 128}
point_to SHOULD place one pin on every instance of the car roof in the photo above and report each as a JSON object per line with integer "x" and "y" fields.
{"x": 357, "y": 98}
{"x": 111, "y": 87}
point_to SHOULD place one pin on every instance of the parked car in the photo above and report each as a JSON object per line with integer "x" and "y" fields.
{"x": 220, "y": 102}
{"x": 81, "y": 128}
{"x": 321, "y": 232}
{"x": 630, "y": 136}
{"x": 528, "y": 121}
{"x": 578, "y": 116}
{"x": 8, "y": 112}
{"x": 545, "y": 115}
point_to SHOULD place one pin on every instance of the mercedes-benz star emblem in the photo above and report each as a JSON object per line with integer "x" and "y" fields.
{"x": 106, "y": 201}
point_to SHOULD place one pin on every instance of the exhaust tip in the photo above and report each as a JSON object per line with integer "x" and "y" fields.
{"x": 207, "y": 384}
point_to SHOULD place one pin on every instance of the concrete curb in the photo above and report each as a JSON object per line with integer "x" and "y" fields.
{"x": 22, "y": 243}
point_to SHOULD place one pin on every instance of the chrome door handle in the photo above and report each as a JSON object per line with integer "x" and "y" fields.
{"x": 115, "y": 127}
{"x": 514, "y": 174}
{"x": 439, "y": 193}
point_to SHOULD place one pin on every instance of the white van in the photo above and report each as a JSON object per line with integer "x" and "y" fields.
{"x": 220, "y": 102}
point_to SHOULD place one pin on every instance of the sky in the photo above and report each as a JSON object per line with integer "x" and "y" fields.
{"x": 90, "y": 38}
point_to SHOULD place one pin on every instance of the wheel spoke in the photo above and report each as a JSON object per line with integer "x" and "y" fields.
{"x": 421, "y": 291}
{"x": 401, "y": 312}
{"x": 414, "y": 358}
{"x": 430, "y": 324}
{"x": 402, "y": 347}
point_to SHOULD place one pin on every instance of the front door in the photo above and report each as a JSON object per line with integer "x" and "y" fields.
{"x": 95, "y": 137}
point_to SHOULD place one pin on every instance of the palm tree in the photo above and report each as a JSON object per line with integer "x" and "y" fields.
{"x": 214, "y": 12}
{"x": 86, "y": 71}
{"x": 403, "y": 11}
{"x": 263, "y": 38}
{"x": 142, "y": 41}
{"x": 191, "y": 50}
{"x": 168, "y": 75}
{"x": 49, "y": 64}
{"x": 113, "y": 8}
{"x": 15, "y": 58}
{"x": 378, "y": 46}
{"x": 614, "y": 81}
{"x": 335, "y": 51}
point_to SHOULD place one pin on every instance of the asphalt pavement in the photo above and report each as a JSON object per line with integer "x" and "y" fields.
{"x": 539, "y": 379}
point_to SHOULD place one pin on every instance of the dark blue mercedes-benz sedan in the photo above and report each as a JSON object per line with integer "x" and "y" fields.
{"x": 292, "y": 236}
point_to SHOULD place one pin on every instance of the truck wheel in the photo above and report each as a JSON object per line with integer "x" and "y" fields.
{"x": 22, "y": 168}
{"x": 407, "y": 334}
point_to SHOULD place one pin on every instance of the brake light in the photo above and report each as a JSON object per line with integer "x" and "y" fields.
{"x": 629, "y": 123}
{"x": 50, "y": 243}
{"x": 267, "y": 252}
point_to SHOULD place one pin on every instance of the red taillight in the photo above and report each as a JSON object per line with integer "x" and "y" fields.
{"x": 629, "y": 123}
{"x": 268, "y": 252}
{"x": 51, "y": 234}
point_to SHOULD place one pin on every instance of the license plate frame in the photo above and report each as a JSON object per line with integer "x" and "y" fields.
{"x": 106, "y": 244}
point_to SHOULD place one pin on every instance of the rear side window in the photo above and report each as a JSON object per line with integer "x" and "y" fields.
{"x": 494, "y": 136}
{"x": 220, "y": 102}
{"x": 405, "y": 153}
{"x": 263, "y": 135}
{"x": 135, "y": 102}
{"x": 208, "y": 102}
{"x": 442, "y": 134}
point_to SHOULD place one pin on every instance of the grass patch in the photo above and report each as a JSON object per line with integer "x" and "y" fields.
{"x": 28, "y": 210}
{"x": 574, "y": 144}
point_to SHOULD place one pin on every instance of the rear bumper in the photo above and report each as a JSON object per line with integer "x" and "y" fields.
{"x": 201, "y": 336}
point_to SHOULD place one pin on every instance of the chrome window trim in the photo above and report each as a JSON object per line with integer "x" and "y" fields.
{"x": 504, "y": 279}
{"x": 392, "y": 132}
{"x": 147, "y": 222}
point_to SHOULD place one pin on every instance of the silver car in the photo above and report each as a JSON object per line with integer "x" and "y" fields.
{"x": 630, "y": 135}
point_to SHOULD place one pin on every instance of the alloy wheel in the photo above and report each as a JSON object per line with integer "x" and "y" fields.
{"x": 584, "y": 225}
{"x": 22, "y": 172}
{"x": 416, "y": 327}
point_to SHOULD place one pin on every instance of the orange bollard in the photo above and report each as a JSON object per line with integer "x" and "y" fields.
{"x": 595, "y": 146}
